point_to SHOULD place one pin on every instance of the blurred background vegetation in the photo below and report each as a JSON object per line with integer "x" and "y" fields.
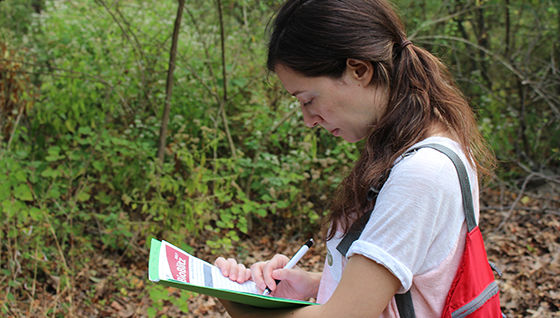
{"x": 83, "y": 90}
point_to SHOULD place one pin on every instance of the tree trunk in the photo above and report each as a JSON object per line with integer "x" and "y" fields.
{"x": 507, "y": 36}
{"x": 224, "y": 100}
{"x": 169, "y": 84}
{"x": 482, "y": 38}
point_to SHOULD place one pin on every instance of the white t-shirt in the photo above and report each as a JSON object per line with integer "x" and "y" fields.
{"x": 417, "y": 229}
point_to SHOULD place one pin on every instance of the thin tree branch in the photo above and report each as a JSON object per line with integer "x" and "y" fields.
{"x": 204, "y": 46}
{"x": 425, "y": 24}
{"x": 512, "y": 207}
{"x": 131, "y": 37}
{"x": 20, "y": 112}
{"x": 528, "y": 209}
{"x": 169, "y": 84}
{"x": 224, "y": 100}
{"x": 501, "y": 60}
{"x": 554, "y": 178}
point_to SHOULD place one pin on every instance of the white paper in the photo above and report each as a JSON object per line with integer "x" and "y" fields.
{"x": 177, "y": 264}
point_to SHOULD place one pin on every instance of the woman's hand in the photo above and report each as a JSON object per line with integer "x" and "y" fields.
{"x": 296, "y": 283}
{"x": 233, "y": 270}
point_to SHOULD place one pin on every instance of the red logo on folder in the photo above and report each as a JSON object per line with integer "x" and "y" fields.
{"x": 178, "y": 264}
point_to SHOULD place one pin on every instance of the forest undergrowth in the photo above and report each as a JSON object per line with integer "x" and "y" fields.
{"x": 523, "y": 242}
{"x": 91, "y": 168}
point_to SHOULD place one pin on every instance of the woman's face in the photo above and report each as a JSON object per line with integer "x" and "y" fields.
{"x": 347, "y": 107}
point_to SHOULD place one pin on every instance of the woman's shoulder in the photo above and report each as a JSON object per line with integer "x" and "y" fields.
{"x": 425, "y": 157}
{"x": 428, "y": 167}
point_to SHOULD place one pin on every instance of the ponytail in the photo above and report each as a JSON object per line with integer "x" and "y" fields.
{"x": 422, "y": 94}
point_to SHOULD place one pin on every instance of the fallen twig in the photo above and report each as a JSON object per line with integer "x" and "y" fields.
{"x": 512, "y": 207}
{"x": 502, "y": 208}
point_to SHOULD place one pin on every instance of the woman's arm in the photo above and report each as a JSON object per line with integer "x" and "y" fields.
{"x": 364, "y": 291}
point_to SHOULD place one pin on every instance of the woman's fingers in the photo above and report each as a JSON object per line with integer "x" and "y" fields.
{"x": 244, "y": 274}
{"x": 231, "y": 269}
{"x": 267, "y": 274}
{"x": 262, "y": 272}
{"x": 239, "y": 272}
{"x": 223, "y": 265}
{"x": 257, "y": 275}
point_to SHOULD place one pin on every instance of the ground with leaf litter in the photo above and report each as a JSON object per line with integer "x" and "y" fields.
{"x": 521, "y": 231}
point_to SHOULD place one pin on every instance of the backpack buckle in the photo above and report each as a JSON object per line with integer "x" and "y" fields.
{"x": 372, "y": 194}
{"x": 495, "y": 268}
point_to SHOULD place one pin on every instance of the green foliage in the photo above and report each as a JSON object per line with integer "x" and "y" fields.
{"x": 503, "y": 55}
{"x": 81, "y": 177}
{"x": 81, "y": 174}
{"x": 16, "y": 90}
{"x": 17, "y": 15}
{"x": 159, "y": 295}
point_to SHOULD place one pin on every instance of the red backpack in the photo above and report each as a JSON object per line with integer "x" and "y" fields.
{"x": 473, "y": 293}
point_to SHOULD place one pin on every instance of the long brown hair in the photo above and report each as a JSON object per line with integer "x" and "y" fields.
{"x": 316, "y": 37}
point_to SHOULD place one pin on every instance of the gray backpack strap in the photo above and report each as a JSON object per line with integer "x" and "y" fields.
{"x": 353, "y": 234}
{"x": 404, "y": 305}
{"x": 466, "y": 193}
{"x": 404, "y": 301}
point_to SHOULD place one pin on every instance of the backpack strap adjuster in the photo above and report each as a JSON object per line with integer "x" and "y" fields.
{"x": 372, "y": 193}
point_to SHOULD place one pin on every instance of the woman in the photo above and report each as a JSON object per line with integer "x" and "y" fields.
{"x": 355, "y": 74}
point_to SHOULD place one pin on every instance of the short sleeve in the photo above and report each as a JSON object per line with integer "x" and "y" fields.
{"x": 417, "y": 218}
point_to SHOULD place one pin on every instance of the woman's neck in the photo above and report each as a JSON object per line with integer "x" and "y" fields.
{"x": 439, "y": 130}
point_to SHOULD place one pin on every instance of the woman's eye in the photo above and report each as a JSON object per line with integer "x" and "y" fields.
{"x": 308, "y": 102}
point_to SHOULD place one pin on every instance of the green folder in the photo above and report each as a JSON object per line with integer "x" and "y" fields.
{"x": 231, "y": 295}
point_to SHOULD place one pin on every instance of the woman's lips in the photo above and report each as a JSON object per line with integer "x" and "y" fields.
{"x": 335, "y": 132}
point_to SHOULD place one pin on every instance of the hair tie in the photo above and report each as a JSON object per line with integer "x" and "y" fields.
{"x": 405, "y": 43}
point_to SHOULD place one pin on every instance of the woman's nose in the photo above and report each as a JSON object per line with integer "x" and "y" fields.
{"x": 310, "y": 120}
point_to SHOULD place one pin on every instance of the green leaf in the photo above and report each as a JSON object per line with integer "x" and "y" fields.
{"x": 152, "y": 312}
{"x": 53, "y": 154}
{"x": 36, "y": 214}
{"x": 82, "y": 196}
{"x": 53, "y": 193}
{"x": 242, "y": 225}
{"x": 5, "y": 190}
{"x": 69, "y": 125}
{"x": 126, "y": 199}
{"x": 9, "y": 208}
{"x": 98, "y": 165}
{"x": 20, "y": 175}
{"x": 261, "y": 212}
{"x": 22, "y": 192}
{"x": 50, "y": 173}
{"x": 282, "y": 204}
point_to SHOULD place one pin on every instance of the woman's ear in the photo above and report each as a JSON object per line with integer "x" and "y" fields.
{"x": 359, "y": 70}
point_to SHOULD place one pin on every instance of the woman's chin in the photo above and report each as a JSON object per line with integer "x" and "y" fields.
{"x": 352, "y": 139}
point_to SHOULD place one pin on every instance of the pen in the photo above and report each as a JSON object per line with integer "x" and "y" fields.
{"x": 293, "y": 261}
